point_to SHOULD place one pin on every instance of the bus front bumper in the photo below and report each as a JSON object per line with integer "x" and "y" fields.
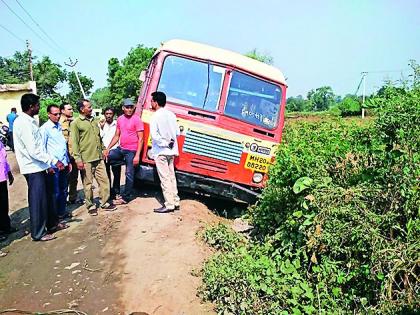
{"x": 201, "y": 184}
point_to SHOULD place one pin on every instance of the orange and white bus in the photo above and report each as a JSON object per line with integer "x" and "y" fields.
{"x": 230, "y": 110}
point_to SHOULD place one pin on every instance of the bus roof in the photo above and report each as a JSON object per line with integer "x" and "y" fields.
{"x": 223, "y": 56}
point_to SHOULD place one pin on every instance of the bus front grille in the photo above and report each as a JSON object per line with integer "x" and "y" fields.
{"x": 213, "y": 147}
{"x": 205, "y": 164}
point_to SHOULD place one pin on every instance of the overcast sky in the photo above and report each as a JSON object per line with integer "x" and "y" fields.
{"x": 314, "y": 43}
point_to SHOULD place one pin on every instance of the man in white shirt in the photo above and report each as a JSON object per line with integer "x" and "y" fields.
{"x": 164, "y": 131}
{"x": 34, "y": 162}
{"x": 108, "y": 128}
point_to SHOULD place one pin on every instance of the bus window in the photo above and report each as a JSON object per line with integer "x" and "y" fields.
{"x": 253, "y": 100}
{"x": 191, "y": 83}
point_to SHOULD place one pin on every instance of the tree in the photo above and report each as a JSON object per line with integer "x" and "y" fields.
{"x": 321, "y": 99}
{"x": 123, "y": 77}
{"x": 297, "y": 104}
{"x": 75, "y": 93}
{"x": 101, "y": 98}
{"x": 15, "y": 69}
{"x": 350, "y": 106}
{"x": 47, "y": 76}
{"x": 254, "y": 54}
{"x": 416, "y": 73}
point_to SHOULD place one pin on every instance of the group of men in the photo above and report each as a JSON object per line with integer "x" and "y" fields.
{"x": 52, "y": 156}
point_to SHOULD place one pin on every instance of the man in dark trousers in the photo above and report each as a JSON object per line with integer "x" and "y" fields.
{"x": 108, "y": 128}
{"x": 66, "y": 119}
{"x": 34, "y": 162}
{"x": 56, "y": 146}
{"x": 129, "y": 132}
{"x": 11, "y": 119}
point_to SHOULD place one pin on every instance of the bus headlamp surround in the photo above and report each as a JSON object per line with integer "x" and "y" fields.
{"x": 257, "y": 178}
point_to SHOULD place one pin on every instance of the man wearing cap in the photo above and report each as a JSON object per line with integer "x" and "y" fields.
{"x": 130, "y": 134}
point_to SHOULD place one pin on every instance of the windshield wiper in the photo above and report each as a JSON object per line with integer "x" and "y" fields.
{"x": 208, "y": 85}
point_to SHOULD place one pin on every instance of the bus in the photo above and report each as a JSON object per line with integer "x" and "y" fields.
{"x": 230, "y": 112}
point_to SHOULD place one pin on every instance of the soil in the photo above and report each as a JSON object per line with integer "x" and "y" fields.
{"x": 128, "y": 261}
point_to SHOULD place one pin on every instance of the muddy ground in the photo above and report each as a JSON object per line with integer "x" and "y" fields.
{"x": 130, "y": 260}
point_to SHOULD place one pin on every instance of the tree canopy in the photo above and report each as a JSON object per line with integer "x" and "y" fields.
{"x": 255, "y": 54}
{"x": 15, "y": 69}
{"x": 101, "y": 97}
{"x": 297, "y": 104}
{"x": 48, "y": 75}
{"x": 123, "y": 76}
{"x": 321, "y": 98}
{"x": 75, "y": 92}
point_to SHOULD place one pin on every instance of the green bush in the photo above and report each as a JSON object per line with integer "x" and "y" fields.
{"x": 221, "y": 237}
{"x": 350, "y": 106}
{"x": 338, "y": 224}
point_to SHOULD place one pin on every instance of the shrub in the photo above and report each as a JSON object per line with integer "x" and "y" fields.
{"x": 350, "y": 106}
{"x": 221, "y": 237}
{"x": 338, "y": 224}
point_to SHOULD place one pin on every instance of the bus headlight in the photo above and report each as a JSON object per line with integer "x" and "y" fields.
{"x": 257, "y": 178}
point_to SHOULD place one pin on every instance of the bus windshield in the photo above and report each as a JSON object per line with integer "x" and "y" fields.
{"x": 191, "y": 83}
{"x": 253, "y": 100}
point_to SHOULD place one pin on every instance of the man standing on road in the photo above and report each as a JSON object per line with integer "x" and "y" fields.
{"x": 130, "y": 134}
{"x": 108, "y": 128}
{"x": 88, "y": 151}
{"x": 164, "y": 131}
{"x": 56, "y": 146}
{"x": 34, "y": 162}
{"x": 65, "y": 121}
{"x": 10, "y": 119}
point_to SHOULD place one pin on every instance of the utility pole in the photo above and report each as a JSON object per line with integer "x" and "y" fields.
{"x": 28, "y": 46}
{"x": 73, "y": 65}
{"x": 364, "y": 74}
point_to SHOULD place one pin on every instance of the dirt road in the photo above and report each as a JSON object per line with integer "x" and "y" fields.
{"x": 130, "y": 260}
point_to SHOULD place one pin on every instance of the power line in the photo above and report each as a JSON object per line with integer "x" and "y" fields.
{"x": 13, "y": 34}
{"x": 39, "y": 26}
{"x": 23, "y": 41}
{"x": 387, "y": 71}
{"x": 11, "y": 10}
{"x": 20, "y": 39}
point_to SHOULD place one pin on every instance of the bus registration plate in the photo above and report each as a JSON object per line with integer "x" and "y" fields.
{"x": 257, "y": 163}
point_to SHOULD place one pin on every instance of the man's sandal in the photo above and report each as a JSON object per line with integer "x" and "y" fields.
{"x": 46, "y": 238}
{"x": 93, "y": 212}
{"x": 109, "y": 207}
{"x": 60, "y": 226}
{"x": 119, "y": 201}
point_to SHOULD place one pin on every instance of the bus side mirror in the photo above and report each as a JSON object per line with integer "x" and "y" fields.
{"x": 142, "y": 76}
